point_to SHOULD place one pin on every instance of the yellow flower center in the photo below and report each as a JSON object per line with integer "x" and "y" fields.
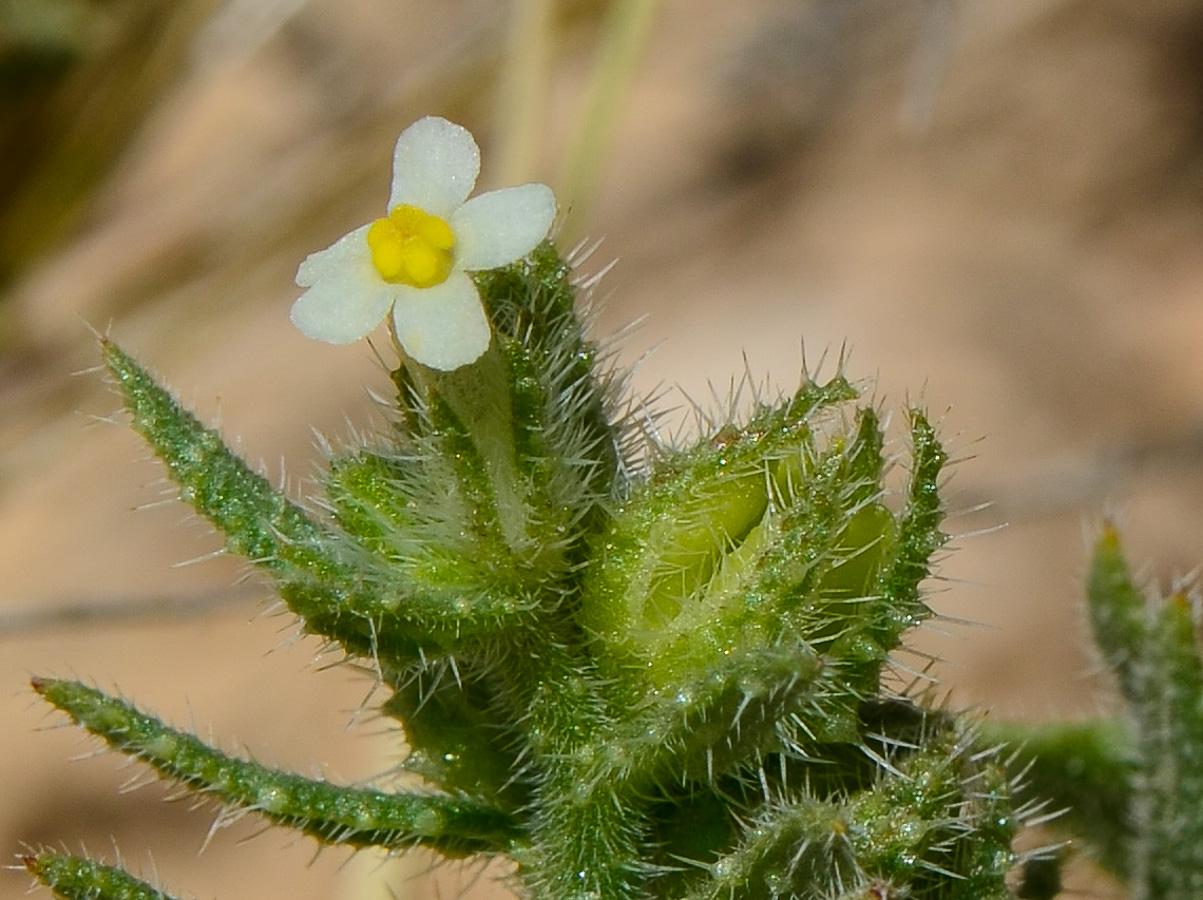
{"x": 411, "y": 247}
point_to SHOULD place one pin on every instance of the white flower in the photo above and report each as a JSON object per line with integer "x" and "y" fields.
{"x": 414, "y": 261}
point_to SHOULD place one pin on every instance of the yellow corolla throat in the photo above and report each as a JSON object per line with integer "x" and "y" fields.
{"x": 411, "y": 247}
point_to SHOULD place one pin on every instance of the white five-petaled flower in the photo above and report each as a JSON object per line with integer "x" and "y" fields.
{"x": 414, "y": 261}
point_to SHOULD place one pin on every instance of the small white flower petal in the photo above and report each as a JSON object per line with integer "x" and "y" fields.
{"x": 498, "y": 227}
{"x": 444, "y": 326}
{"x": 349, "y": 251}
{"x": 435, "y": 166}
{"x": 346, "y": 297}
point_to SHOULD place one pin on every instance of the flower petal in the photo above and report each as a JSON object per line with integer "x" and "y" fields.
{"x": 435, "y": 166}
{"x": 349, "y": 251}
{"x": 346, "y": 297}
{"x": 444, "y": 326}
{"x": 500, "y": 226}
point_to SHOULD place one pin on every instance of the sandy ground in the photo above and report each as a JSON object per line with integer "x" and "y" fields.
{"x": 997, "y": 207}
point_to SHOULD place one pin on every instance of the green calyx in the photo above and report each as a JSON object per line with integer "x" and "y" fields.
{"x": 776, "y": 531}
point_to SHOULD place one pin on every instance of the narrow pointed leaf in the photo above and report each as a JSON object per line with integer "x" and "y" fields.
{"x": 257, "y": 521}
{"x": 1168, "y": 812}
{"x": 332, "y": 598}
{"x": 1118, "y": 615}
{"x": 78, "y": 878}
{"x": 355, "y": 816}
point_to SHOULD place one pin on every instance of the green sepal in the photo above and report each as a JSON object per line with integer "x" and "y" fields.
{"x": 901, "y": 606}
{"x": 561, "y": 397}
{"x": 435, "y": 537}
{"x": 423, "y": 590}
{"x": 79, "y": 878}
{"x": 333, "y": 814}
{"x": 747, "y": 706}
{"x": 517, "y": 444}
{"x": 470, "y": 517}
{"x": 659, "y": 593}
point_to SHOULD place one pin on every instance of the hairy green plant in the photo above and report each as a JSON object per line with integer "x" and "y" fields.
{"x": 1132, "y": 787}
{"x": 635, "y": 669}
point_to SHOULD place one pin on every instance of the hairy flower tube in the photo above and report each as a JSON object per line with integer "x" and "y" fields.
{"x": 414, "y": 261}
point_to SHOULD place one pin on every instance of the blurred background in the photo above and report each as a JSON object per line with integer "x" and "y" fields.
{"x": 996, "y": 208}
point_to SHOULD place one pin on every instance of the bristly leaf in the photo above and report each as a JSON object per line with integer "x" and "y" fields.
{"x": 332, "y": 598}
{"x": 77, "y": 878}
{"x": 333, "y": 814}
{"x": 1118, "y": 613}
{"x": 1153, "y": 648}
{"x": 1168, "y": 807}
{"x": 257, "y": 521}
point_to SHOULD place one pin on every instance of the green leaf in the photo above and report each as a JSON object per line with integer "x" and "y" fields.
{"x": 258, "y": 521}
{"x": 919, "y": 537}
{"x": 337, "y": 594}
{"x": 77, "y": 878}
{"x": 1118, "y": 614}
{"x": 1168, "y": 808}
{"x": 328, "y": 812}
